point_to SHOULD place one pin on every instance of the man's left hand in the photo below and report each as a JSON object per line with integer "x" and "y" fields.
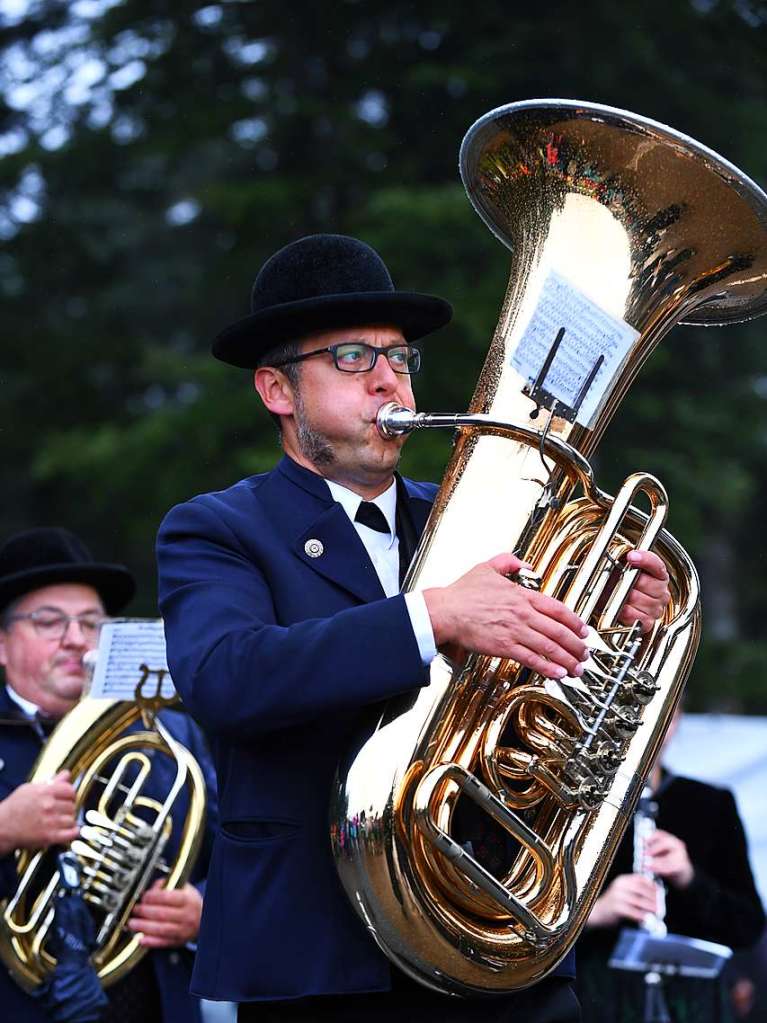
{"x": 167, "y": 919}
{"x": 650, "y": 595}
{"x": 668, "y": 858}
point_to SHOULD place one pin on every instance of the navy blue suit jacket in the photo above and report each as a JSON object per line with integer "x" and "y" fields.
{"x": 19, "y": 748}
{"x": 276, "y": 653}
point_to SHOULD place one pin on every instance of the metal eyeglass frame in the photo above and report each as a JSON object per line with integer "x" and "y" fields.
{"x": 60, "y": 618}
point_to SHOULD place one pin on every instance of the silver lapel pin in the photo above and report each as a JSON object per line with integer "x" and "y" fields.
{"x": 314, "y": 548}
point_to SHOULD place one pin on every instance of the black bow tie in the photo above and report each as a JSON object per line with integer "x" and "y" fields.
{"x": 370, "y": 515}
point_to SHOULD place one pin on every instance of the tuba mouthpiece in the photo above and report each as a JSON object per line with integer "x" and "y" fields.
{"x": 394, "y": 420}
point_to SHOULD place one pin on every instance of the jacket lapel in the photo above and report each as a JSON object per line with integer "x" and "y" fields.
{"x": 10, "y": 712}
{"x": 343, "y": 560}
{"x": 319, "y": 524}
{"x": 419, "y": 507}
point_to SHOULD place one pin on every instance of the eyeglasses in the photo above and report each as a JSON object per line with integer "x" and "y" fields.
{"x": 358, "y": 357}
{"x": 49, "y": 624}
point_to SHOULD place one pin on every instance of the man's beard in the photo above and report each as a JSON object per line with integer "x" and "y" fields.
{"x": 313, "y": 445}
{"x": 316, "y": 447}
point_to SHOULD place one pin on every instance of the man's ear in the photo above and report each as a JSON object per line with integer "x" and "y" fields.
{"x": 275, "y": 391}
{"x": 3, "y": 657}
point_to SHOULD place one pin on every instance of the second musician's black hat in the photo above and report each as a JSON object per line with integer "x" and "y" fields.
{"x": 41, "y": 557}
{"x": 322, "y": 282}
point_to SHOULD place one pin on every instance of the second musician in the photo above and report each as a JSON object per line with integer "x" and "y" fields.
{"x": 53, "y": 597}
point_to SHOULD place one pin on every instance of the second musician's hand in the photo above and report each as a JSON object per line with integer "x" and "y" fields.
{"x": 39, "y": 814}
{"x": 167, "y": 918}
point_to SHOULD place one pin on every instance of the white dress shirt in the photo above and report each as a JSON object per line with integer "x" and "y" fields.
{"x": 383, "y": 550}
{"x": 30, "y": 709}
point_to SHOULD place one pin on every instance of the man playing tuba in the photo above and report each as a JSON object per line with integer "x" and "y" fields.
{"x": 54, "y": 598}
{"x": 284, "y": 621}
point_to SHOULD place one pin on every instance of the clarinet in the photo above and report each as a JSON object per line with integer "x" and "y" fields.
{"x": 644, "y": 827}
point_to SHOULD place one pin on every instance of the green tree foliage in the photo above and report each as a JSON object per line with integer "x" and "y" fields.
{"x": 154, "y": 154}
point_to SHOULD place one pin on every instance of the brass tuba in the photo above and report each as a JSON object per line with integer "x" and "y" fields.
{"x": 619, "y": 227}
{"x": 108, "y": 746}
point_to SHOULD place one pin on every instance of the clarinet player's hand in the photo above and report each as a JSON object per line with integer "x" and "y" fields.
{"x": 669, "y": 859}
{"x": 627, "y": 897}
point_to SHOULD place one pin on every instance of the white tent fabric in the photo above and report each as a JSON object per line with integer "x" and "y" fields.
{"x": 729, "y": 750}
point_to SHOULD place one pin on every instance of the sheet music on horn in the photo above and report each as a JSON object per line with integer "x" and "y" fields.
{"x": 126, "y": 645}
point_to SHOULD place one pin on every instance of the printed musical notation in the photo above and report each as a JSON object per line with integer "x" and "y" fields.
{"x": 126, "y": 646}
{"x": 589, "y": 334}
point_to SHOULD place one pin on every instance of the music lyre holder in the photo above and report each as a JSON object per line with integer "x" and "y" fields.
{"x": 545, "y": 399}
{"x": 152, "y": 702}
{"x": 657, "y": 956}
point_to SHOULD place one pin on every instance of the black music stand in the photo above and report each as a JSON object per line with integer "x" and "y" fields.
{"x": 669, "y": 955}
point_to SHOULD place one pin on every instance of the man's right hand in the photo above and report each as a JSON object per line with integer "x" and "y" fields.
{"x": 486, "y": 613}
{"x": 39, "y": 814}
{"x": 627, "y": 897}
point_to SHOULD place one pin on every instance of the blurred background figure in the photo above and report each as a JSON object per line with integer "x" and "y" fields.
{"x": 699, "y": 853}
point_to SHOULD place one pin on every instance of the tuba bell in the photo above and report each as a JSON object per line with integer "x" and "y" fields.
{"x": 109, "y": 747}
{"x": 620, "y": 227}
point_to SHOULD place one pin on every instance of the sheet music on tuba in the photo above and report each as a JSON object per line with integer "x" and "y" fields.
{"x": 571, "y": 349}
{"x": 126, "y": 647}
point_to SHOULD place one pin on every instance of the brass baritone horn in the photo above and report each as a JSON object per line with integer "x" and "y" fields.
{"x": 619, "y": 227}
{"x": 109, "y": 747}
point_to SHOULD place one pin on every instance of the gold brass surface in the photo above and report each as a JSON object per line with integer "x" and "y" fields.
{"x": 108, "y": 746}
{"x": 654, "y": 229}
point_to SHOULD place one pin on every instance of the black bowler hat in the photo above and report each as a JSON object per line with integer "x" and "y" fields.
{"x": 41, "y": 557}
{"x": 321, "y": 282}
